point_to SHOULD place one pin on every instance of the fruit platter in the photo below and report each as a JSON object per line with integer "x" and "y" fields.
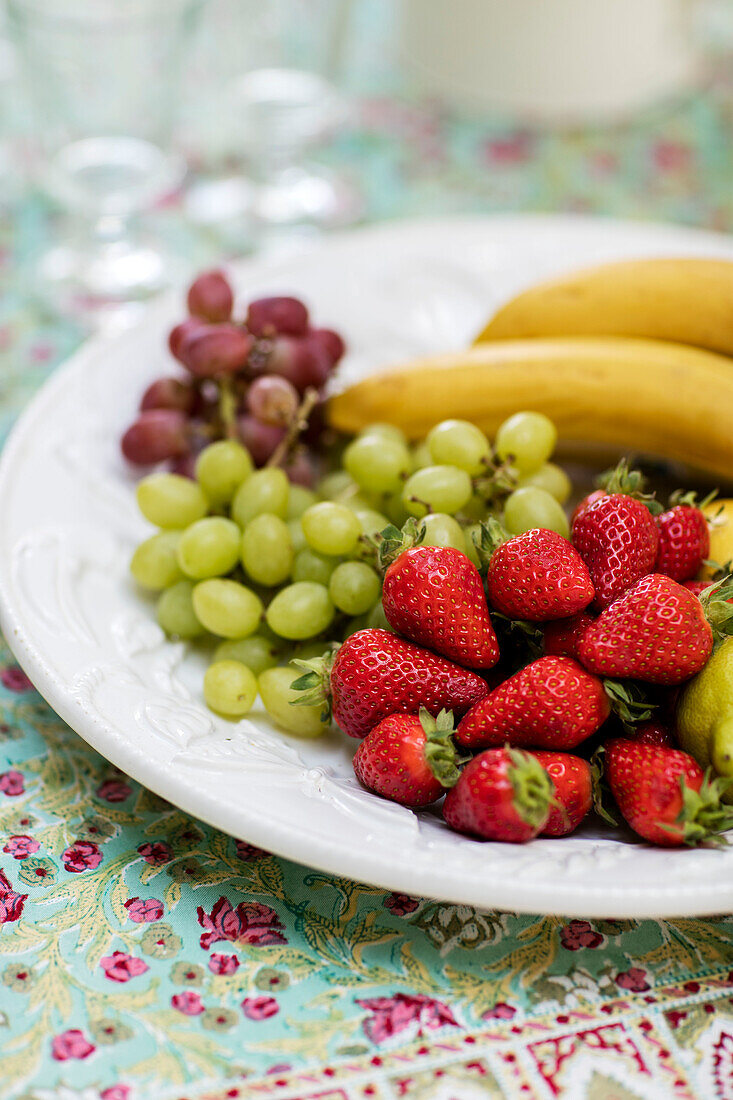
{"x": 408, "y": 558}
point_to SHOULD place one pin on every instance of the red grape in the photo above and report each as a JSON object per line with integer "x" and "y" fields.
{"x": 210, "y": 297}
{"x": 287, "y": 316}
{"x": 273, "y": 400}
{"x": 212, "y": 350}
{"x": 168, "y": 393}
{"x": 301, "y": 361}
{"x": 330, "y": 341}
{"x": 259, "y": 439}
{"x": 180, "y": 333}
{"x": 156, "y": 435}
{"x": 185, "y": 466}
{"x": 300, "y": 469}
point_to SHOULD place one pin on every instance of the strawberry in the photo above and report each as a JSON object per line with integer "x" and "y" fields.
{"x": 586, "y": 502}
{"x": 503, "y": 794}
{"x": 652, "y": 733}
{"x": 538, "y": 576}
{"x": 375, "y": 674}
{"x": 552, "y": 703}
{"x": 663, "y": 794}
{"x": 617, "y": 538}
{"x": 684, "y": 539}
{"x": 572, "y": 779}
{"x": 620, "y": 479}
{"x": 696, "y": 587}
{"x": 407, "y": 759}
{"x": 434, "y": 596}
{"x": 562, "y": 637}
{"x": 656, "y": 631}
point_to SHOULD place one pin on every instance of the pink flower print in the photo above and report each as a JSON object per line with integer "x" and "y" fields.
{"x": 260, "y": 1008}
{"x": 71, "y": 1044}
{"x": 510, "y": 149}
{"x": 671, "y": 156}
{"x": 674, "y": 1017}
{"x": 120, "y": 967}
{"x": 116, "y": 1092}
{"x": 14, "y": 679}
{"x": 188, "y": 1002}
{"x": 82, "y": 855}
{"x": 500, "y": 1011}
{"x": 21, "y": 846}
{"x": 579, "y": 934}
{"x": 248, "y": 923}
{"x": 11, "y": 904}
{"x": 634, "y": 979}
{"x": 223, "y": 964}
{"x": 114, "y": 790}
{"x": 391, "y": 1015}
{"x": 156, "y": 854}
{"x": 400, "y": 904}
{"x": 11, "y": 783}
{"x": 143, "y": 910}
{"x": 248, "y": 852}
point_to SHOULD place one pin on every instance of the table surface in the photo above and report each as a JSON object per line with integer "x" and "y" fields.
{"x": 146, "y": 955}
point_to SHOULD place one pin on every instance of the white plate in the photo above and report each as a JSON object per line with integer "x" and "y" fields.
{"x": 91, "y": 645}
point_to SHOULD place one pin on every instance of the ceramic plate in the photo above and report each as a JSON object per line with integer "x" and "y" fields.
{"x": 91, "y": 645}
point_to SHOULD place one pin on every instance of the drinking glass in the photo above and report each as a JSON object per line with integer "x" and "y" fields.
{"x": 103, "y": 83}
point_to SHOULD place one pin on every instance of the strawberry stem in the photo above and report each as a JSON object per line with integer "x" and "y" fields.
{"x": 532, "y": 786}
{"x": 392, "y": 541}
{"x": 489, "y": 537}
{"x": 718, "y": 610}
{"x": 602, "y": 796}
{"x": 628, "y": 702}
{"x": 315, "y": 683}
{"x": 440, "y": 751}
{"x": 631, "y": 483}
{"x": 703, "y": 817}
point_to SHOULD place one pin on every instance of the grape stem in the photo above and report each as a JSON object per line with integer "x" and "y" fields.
{"x": 297, "y": 425}
{"x": 228, "y": 408}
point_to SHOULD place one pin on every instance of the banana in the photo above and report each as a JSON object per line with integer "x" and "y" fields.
{"x": 640, "y": 395}
{"x": 689, "y": 301}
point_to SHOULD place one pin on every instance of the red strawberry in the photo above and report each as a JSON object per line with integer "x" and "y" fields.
{"x": 684, "y": 542}
{"x": 652, "y": 733}
{"x": 410, "y": 760}
{"x": 434, "y": 596}
{"x": 562, "y": 637}
{"x": 586, "y": 503}
{"x": 656, "y": 631}
{"x": 375, "y": 674}
{"x": 696, "y": 587}
{"x": 552, "y": 703}
{"x": 664, "y": 794}
{"x": 503, "y": 794}
{"x": 617, "y": 538}
{"x": 573, "y": 782}
{"x": 538, "y": 576}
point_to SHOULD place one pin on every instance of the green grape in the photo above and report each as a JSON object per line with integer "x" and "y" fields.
{"x": 209, "y": 548}
{"x": 552, "y": 479}
{"x": 528, "y": 508}
{"x": 354, "y": 587}
{"x": 154, "y": 564}
{"x": 256, "y": 652}
{"x": 443, "y": 530}
{"x": 528, "y": 438}
{"x": 474, "y": 509}
{"x": 267, "y": 550}
{"x": 471, "y": 551}
{"x": 171, "y": 501}
{"x": 311, "y": 566}
{"x": 377, "y": 463}
{"x": 306, "y": 651}
{"x": 301, "y": 610}
{"x": 230, "y": 688}
{"x": 438, "y": 489}
{"x": 377, "y": 619}
{"x": 221, "y": 468}
{"x": 299, "y": 499}
{"x": 227, "y": 608}
{"x": 360, "y": 502}
{"x": 372, "y": 523}
{"x": 459, "y": 443}
{"x": 278, "y": 697}
{"x": 336, "y": 484}
{"x": 394, "y": 509}
{"x": 297, "y": 538}
{"x": 266, "y": 490}
{"x": 420, "y": 456}
{"x": 330, "y": 528}
{"x": 175, "y": 611}
{"x": 384, "y": 431}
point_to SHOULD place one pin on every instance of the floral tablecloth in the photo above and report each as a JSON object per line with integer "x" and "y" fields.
{"x": 146, "y": 956}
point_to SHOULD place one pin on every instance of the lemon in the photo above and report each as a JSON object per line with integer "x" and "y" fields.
{"x": 705, "y": 714}
{"x": 721, "y": 533}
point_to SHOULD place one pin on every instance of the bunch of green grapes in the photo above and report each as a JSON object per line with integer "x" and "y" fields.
{"x": 275, "y": 570}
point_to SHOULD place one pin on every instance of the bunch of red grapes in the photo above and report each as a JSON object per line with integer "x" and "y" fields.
{"x": 249, "y": 380}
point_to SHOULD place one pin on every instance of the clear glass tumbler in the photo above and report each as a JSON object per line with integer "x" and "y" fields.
{"x": 103, "y": 79}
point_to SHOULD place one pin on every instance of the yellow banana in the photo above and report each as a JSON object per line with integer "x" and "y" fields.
{"x": 689, "y": 301}
{"x": 640, "y": 395}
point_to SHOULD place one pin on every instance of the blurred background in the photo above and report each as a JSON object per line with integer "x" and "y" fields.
{"x": 143, "y": 139}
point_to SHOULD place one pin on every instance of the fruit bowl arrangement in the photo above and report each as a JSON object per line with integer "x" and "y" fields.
{"x": 417, "y": 581}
